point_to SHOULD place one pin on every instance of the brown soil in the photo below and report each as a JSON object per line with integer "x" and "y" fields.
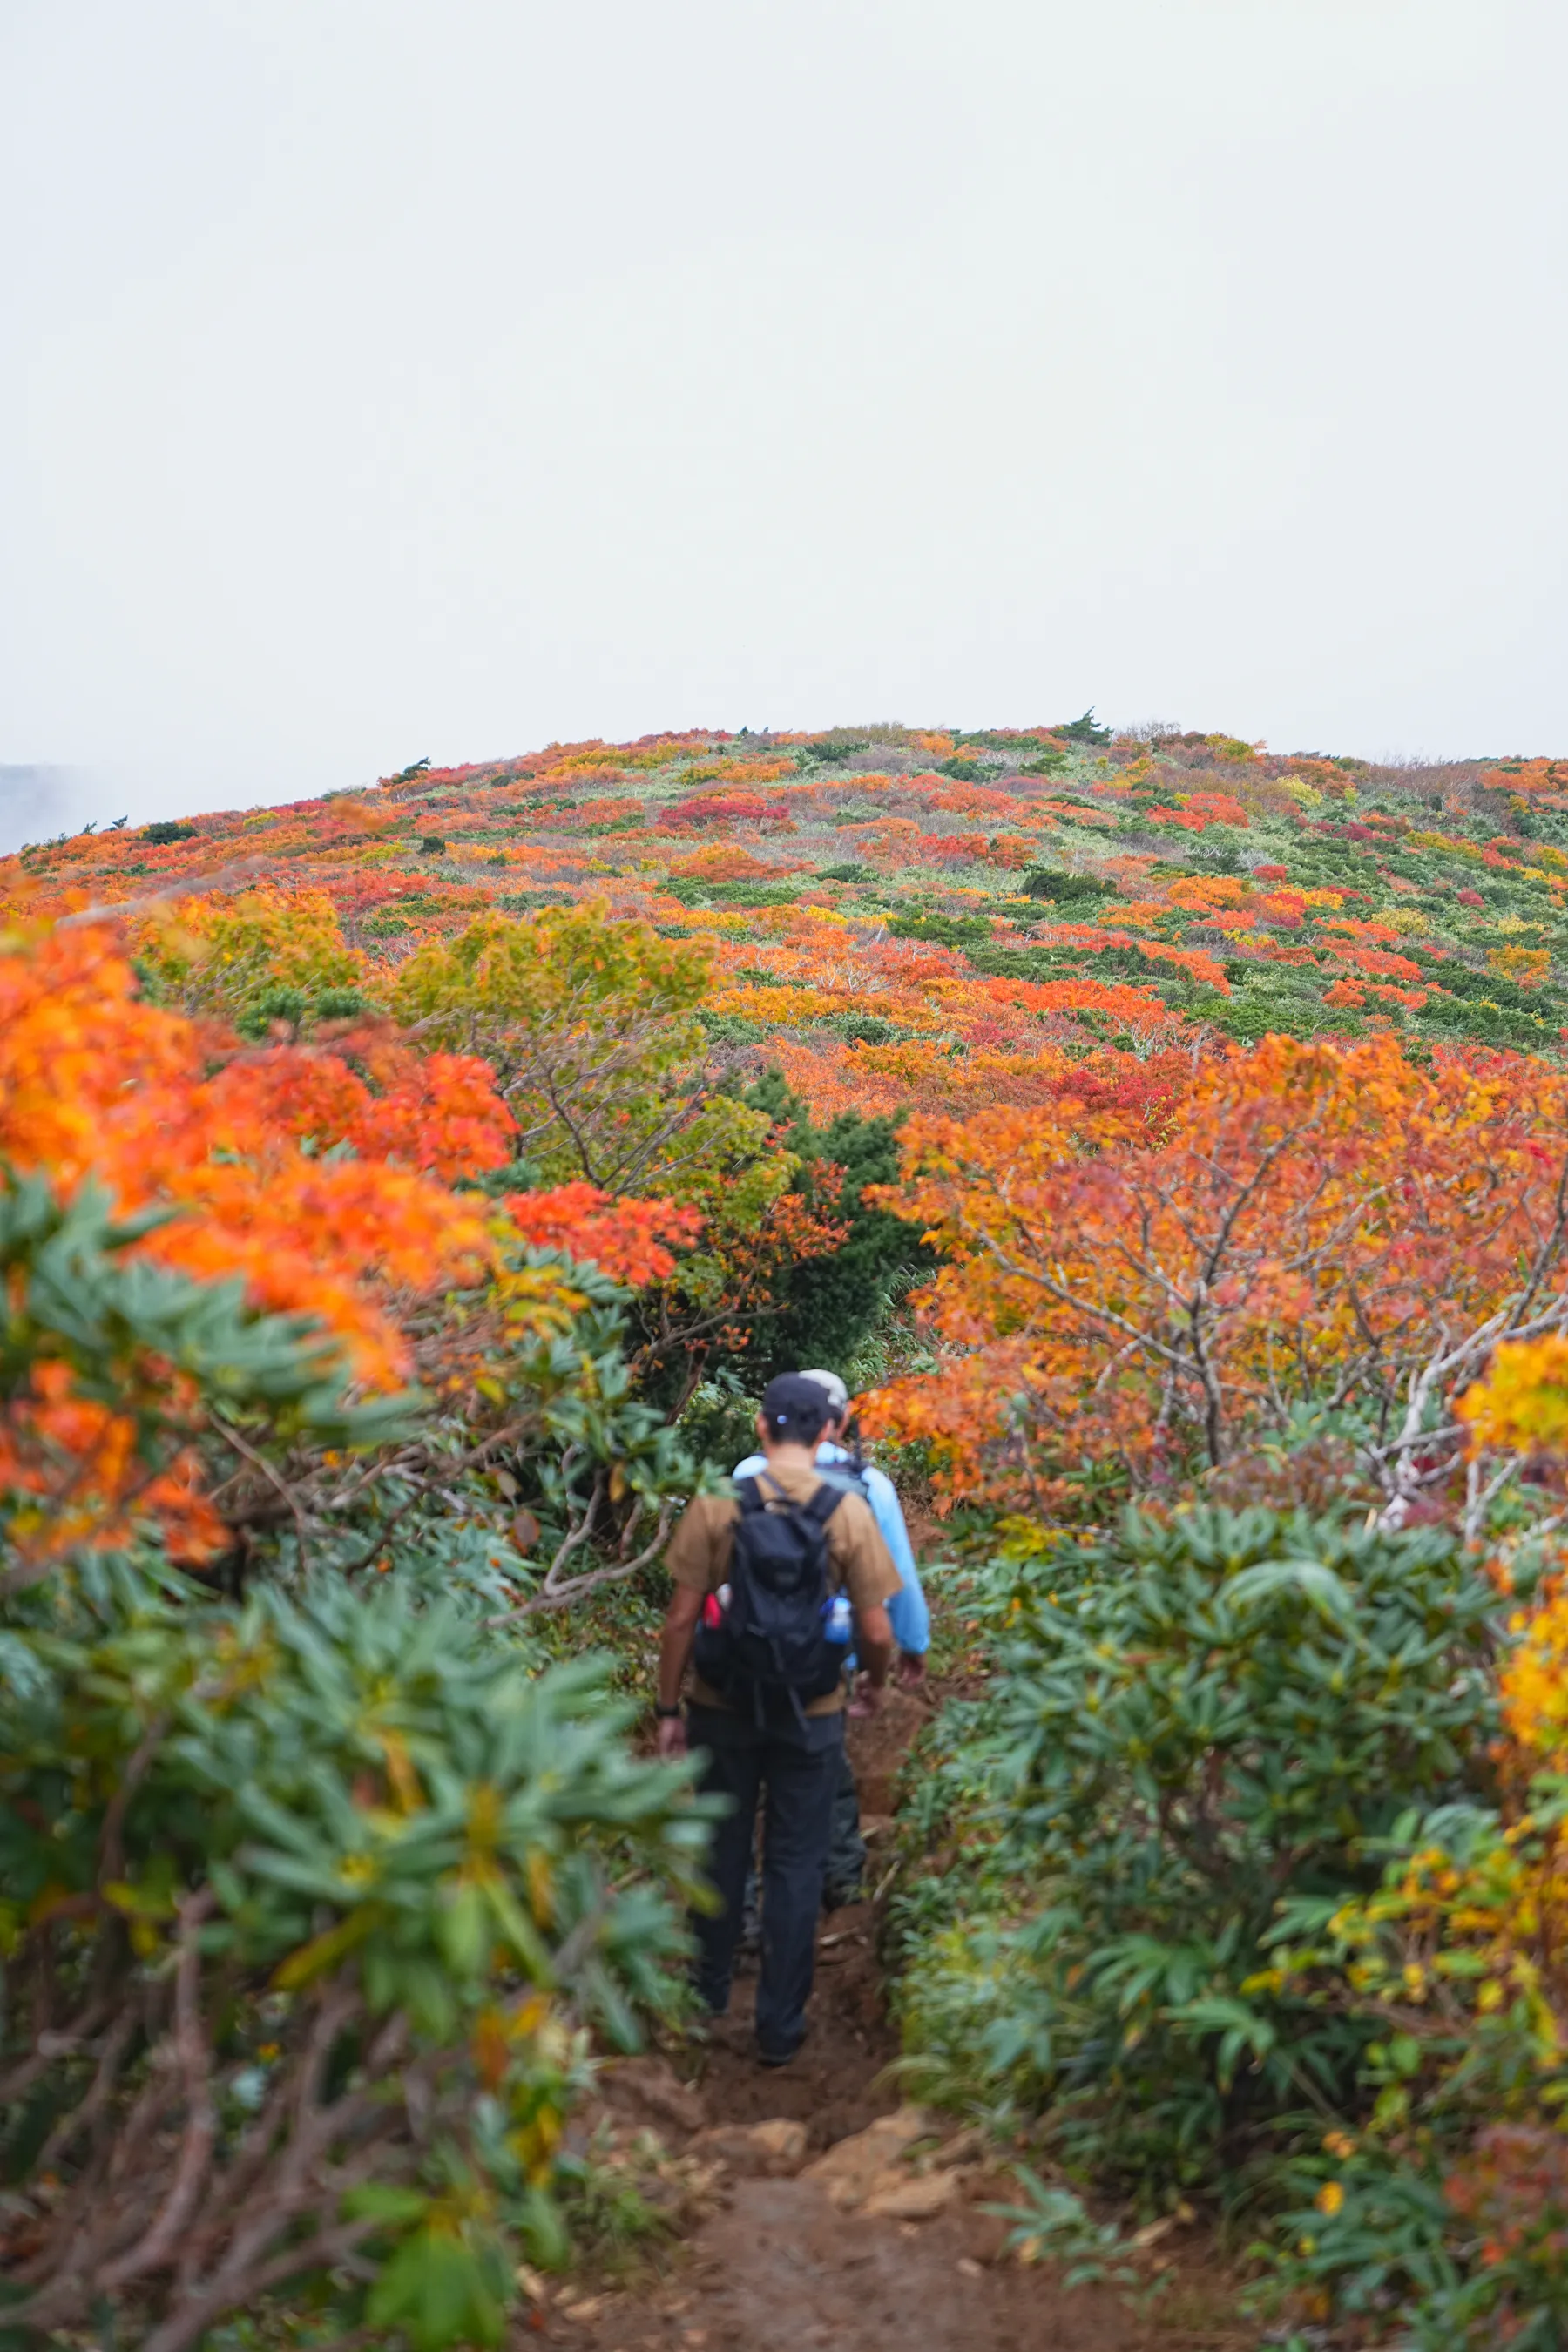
{"x": 777, "y": 2265}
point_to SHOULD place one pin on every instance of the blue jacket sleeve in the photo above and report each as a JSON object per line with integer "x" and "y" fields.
{"x": 907, "y": 1611}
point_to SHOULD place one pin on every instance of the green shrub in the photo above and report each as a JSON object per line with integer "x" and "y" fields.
{"x": 308, "y": 1906}
{"x": 1198, "y": 1724}
{"x": 826, "y": 750}
{"x": 589, "y": 1023}
{"x": 824, "y": 1308}
{"x": 946, "y": 931}
{"x": 299, "y": 1009}
{"x": 308, "y": 1901}
{"x": 1065, "y": 890}
{"x": 1083, "y": 730}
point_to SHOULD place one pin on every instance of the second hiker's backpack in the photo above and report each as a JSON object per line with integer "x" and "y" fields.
{"x": 768, "y": 1650}
{"x": 850, "y": 1474}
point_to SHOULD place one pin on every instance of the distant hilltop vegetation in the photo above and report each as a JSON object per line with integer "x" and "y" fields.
{"x": 901, "y": 915}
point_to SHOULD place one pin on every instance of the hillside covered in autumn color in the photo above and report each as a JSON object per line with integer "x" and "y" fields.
{"x": 894, "y": 914}
{"x": 404, "y": 1196}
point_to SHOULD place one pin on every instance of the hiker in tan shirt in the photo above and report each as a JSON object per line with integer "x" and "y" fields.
{"x": 778, "y": 1722}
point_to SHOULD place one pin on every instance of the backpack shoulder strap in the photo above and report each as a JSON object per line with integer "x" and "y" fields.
{"x": 749, "y": 1495}
{"x": 824, "y": 1502}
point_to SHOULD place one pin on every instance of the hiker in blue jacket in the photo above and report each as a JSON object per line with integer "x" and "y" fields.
{"x": 771, "y": 1584}
{"x": 907, "y": 1614}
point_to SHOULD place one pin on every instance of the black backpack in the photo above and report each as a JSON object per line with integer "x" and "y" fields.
{"x": 768, "y": 1650}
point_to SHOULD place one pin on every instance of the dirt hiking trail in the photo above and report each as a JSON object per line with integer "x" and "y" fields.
{"x": 832, "y": 2215}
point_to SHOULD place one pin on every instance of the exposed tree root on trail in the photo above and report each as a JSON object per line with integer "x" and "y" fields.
{"x": 788, "y": 2253}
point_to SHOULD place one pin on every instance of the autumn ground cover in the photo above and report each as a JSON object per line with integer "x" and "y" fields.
{"x": 404, "y": 1195}
{"x": 880, "y": 904}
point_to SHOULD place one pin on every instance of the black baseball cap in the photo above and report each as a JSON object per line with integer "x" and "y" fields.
{"x": 795, "y": 1409}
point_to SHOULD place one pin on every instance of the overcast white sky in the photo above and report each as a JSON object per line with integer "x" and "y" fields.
{"x": 382, "y": 377}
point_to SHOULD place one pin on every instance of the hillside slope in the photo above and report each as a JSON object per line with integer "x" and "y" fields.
{"x": 902, "y": 916}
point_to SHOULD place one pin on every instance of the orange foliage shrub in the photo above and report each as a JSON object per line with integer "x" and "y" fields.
{"x": 93, "y": 1081}
{"x": 1152, "y": 1283}
{"x": 626, "y": 1239}
{"x": 1078, "y": 935}
{"x": 1208, "y": 890}
{"x": 1234, "y": 922}
{"x": 751, "y": 771}
{"x": 1352, "y": 992}
{"x": 1219, "y": 808}
{"x": 1200, "y": 810}
{"x": 96, "y": 1085}
{"x": 718, "y": 808}
{"x": 591, "y": 812}
{"x": 1120, "y": 1002}
{"x": 1528, "y": 777}
{"x": 74, "y": 1475}
{"x": 726, "y": 861}
{"x": 1522, "y": 1405}
{"x": 886, "y": 1079}
{"x": 1377, "y": 963}
{"x": 1137, "y": 912}
{"x": 1195, "y": 961}
{"x": 1528, "y": 967}
{"x": 317, "y": 1178}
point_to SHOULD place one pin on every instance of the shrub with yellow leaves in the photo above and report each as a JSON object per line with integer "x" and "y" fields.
{"x": 1522, "y": 1405}
{"x": 1453, "y": 2203}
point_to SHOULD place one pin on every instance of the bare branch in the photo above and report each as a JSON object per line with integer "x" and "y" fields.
{"x": 193, "y": 2057}
{"x": 562, "y": 1596}
{"x": 275, "y": 1481}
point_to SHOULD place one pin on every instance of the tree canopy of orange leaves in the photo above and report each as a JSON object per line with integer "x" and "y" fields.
{"x": 322, "y": 1192}
{"x": 316, "y": 1181}
{"x": 891, "y": 1079}
{"x": 315, "y": 1189}
{"x": 1160, "y": 1284}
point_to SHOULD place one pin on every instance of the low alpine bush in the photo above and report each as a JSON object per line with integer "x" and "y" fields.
{"x": 1200, "y": 1724}
{"x": 309, "y": 1904}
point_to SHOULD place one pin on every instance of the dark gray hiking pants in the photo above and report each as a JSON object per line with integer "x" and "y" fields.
{"x": 797, "y": 1770}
